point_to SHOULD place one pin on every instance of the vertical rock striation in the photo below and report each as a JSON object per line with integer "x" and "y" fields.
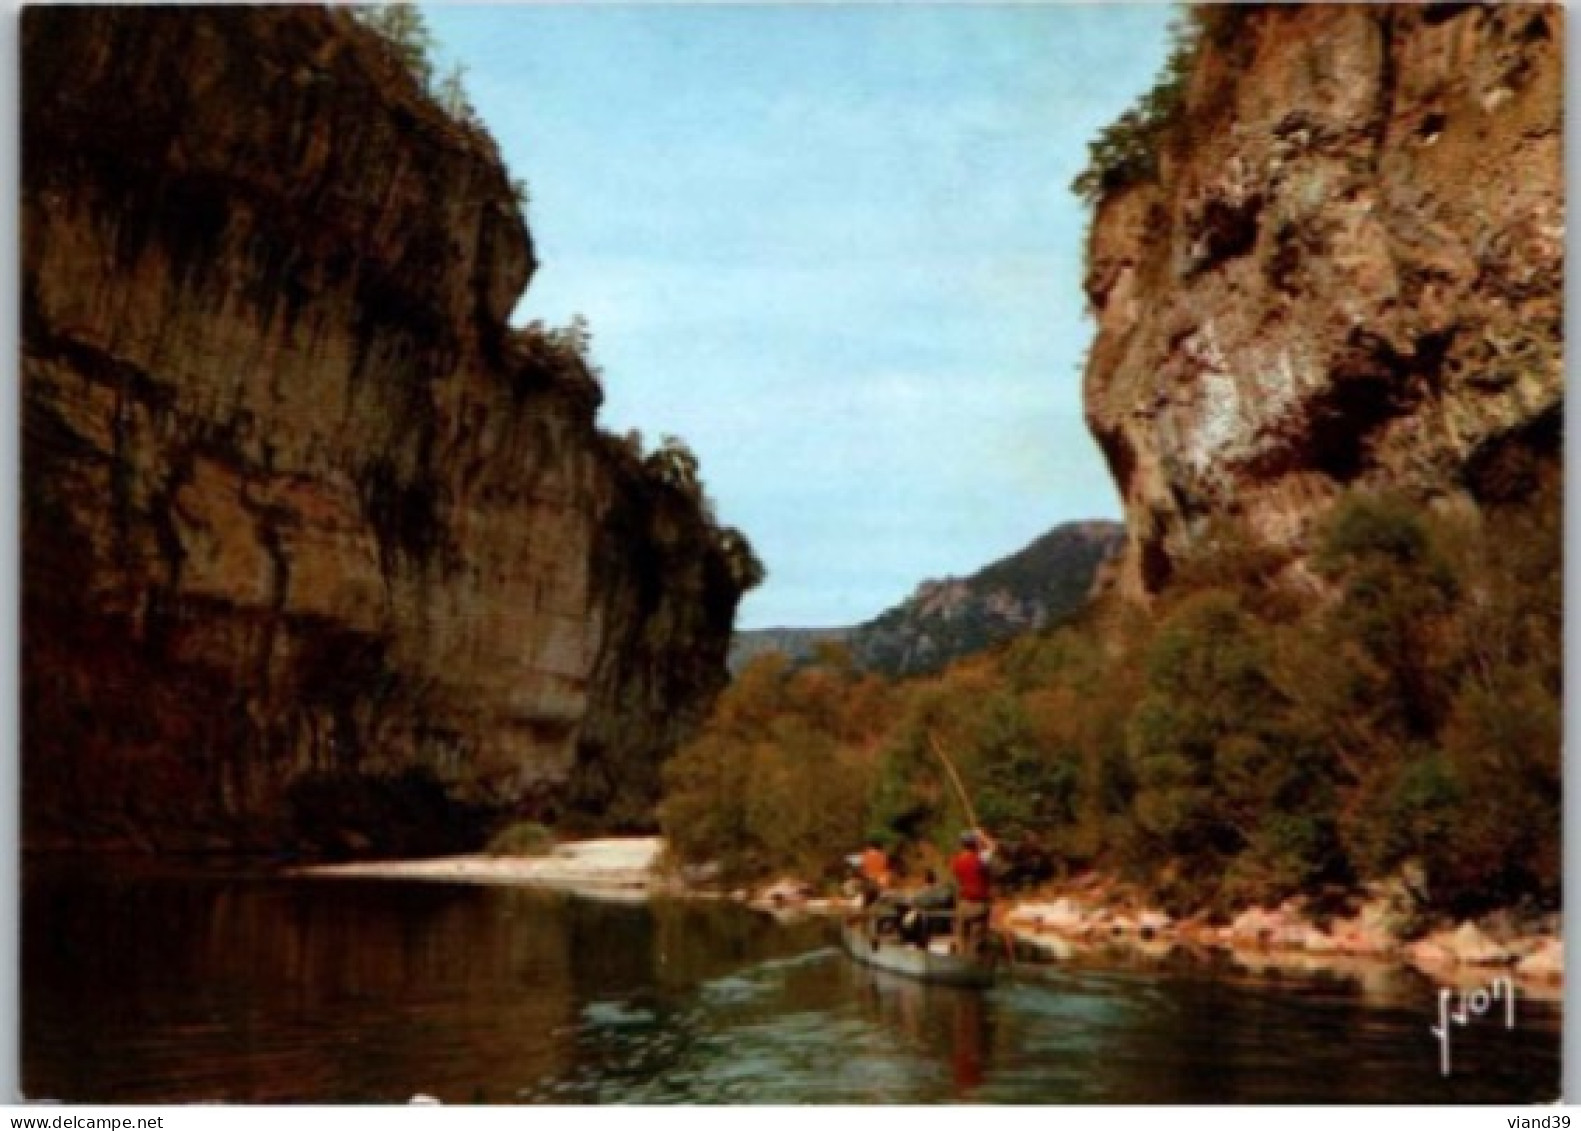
{"x": 1348, "y": 271}
{"x": 315, "y": 546}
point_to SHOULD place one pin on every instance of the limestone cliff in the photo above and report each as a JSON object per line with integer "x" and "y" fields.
{"x": 315, "y": 545}
{"x": 1347, "y": 270}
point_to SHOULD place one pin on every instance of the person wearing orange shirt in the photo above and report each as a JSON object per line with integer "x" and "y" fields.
{"x": 871, "y": 873}
{"x": 875, "y": 865}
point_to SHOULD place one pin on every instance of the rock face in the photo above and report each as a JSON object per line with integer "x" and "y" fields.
{"x": 1347, "y": 272}
{"x": 310, "y": 535}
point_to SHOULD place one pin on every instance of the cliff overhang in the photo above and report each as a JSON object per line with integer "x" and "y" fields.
{"x": 1343, "y": 269}
{"x": 318, "y": 552}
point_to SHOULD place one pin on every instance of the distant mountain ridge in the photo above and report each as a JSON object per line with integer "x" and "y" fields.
{"x": 796, "y": 643}
{"x": 946, "y": 619}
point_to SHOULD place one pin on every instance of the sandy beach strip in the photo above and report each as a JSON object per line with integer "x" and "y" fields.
{"x": 616, "y": 867}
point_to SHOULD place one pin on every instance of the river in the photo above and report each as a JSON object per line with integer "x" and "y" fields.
{"x": 151, "y": 985}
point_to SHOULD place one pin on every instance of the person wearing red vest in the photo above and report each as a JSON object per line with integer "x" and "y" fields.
{"x": 973, "y": 887}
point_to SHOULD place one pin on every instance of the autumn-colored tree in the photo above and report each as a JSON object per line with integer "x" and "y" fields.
{"x": 1257, "y": 732}
{"x": 782, "y": 775}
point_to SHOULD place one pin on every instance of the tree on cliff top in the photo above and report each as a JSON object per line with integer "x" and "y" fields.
{"x": 1126, "y": 151}
{"x": 405, "y": 33}
{"x": 406, "y": 37}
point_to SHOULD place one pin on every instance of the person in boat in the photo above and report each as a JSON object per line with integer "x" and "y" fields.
{"x": 875, "y": 864}
{"x": 933, "y": 896}
{"x": 873, "y": 871}
{"x": 926, "y": 904}
{"x": 973, "y": 886}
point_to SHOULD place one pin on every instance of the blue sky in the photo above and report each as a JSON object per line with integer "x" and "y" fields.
{"x": 833, "y": 247}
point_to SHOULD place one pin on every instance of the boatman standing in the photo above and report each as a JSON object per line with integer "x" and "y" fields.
{"x": 973, "y": 888}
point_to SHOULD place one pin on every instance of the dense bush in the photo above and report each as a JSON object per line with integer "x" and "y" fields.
{"x": 522, "y": 838}
{"x": 1252, "y": 736}
{"x": 782, "y": 774}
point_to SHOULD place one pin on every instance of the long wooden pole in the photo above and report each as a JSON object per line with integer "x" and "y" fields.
{"x": 971, "y": 815}
{"x": 955, "y": 778}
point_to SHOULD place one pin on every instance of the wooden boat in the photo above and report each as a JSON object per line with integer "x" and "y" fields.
{"x": 940, "y": 961}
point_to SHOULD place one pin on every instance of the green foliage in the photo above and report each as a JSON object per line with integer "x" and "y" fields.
{"x": 523, "y": 838}
{"x": 746, "y": 569}
{"x": 565, "y": 354}
{"x": 1391, "y": 623}
{"x": 1226, "y": 556}
{"x": 1126, "y": 151}
{"x": 410, "y": 43}
{"x": 1250, "y": 737}
{"x": 675, "y": 465}
{"x": 1406, "y": 813}
{"x": 570, "y": 347}
{"x": 1368, "y": 526}
{"x": 452, "y": 94}
{"x": 1502, "y": 746}
{"x": 1226, "y": 779}
{"x": 1447, "y": 685}
{"x": 405, "y": 34}
{"x": 780, "y": 777}
{"x": 1021, "y": 784}
{"x": 1290, "y": 853}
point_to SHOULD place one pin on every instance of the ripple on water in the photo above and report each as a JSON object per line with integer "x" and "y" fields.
{"x": 617, "y": 1014}
{"x": 255, "y": 991}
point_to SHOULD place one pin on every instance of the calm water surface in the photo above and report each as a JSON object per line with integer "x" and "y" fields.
{"x": 159, "y": 987}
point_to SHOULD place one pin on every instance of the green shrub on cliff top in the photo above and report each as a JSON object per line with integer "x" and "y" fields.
{"x": 1125, "y": 152}
{"x": 405, "y": 33}
{"x": 408, "y": 41}
{"x": 674, "y": 466}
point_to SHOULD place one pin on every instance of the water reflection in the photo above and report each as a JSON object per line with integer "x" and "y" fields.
{"x": 172, "y": 988}
{"x": 926, "y": 1019}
